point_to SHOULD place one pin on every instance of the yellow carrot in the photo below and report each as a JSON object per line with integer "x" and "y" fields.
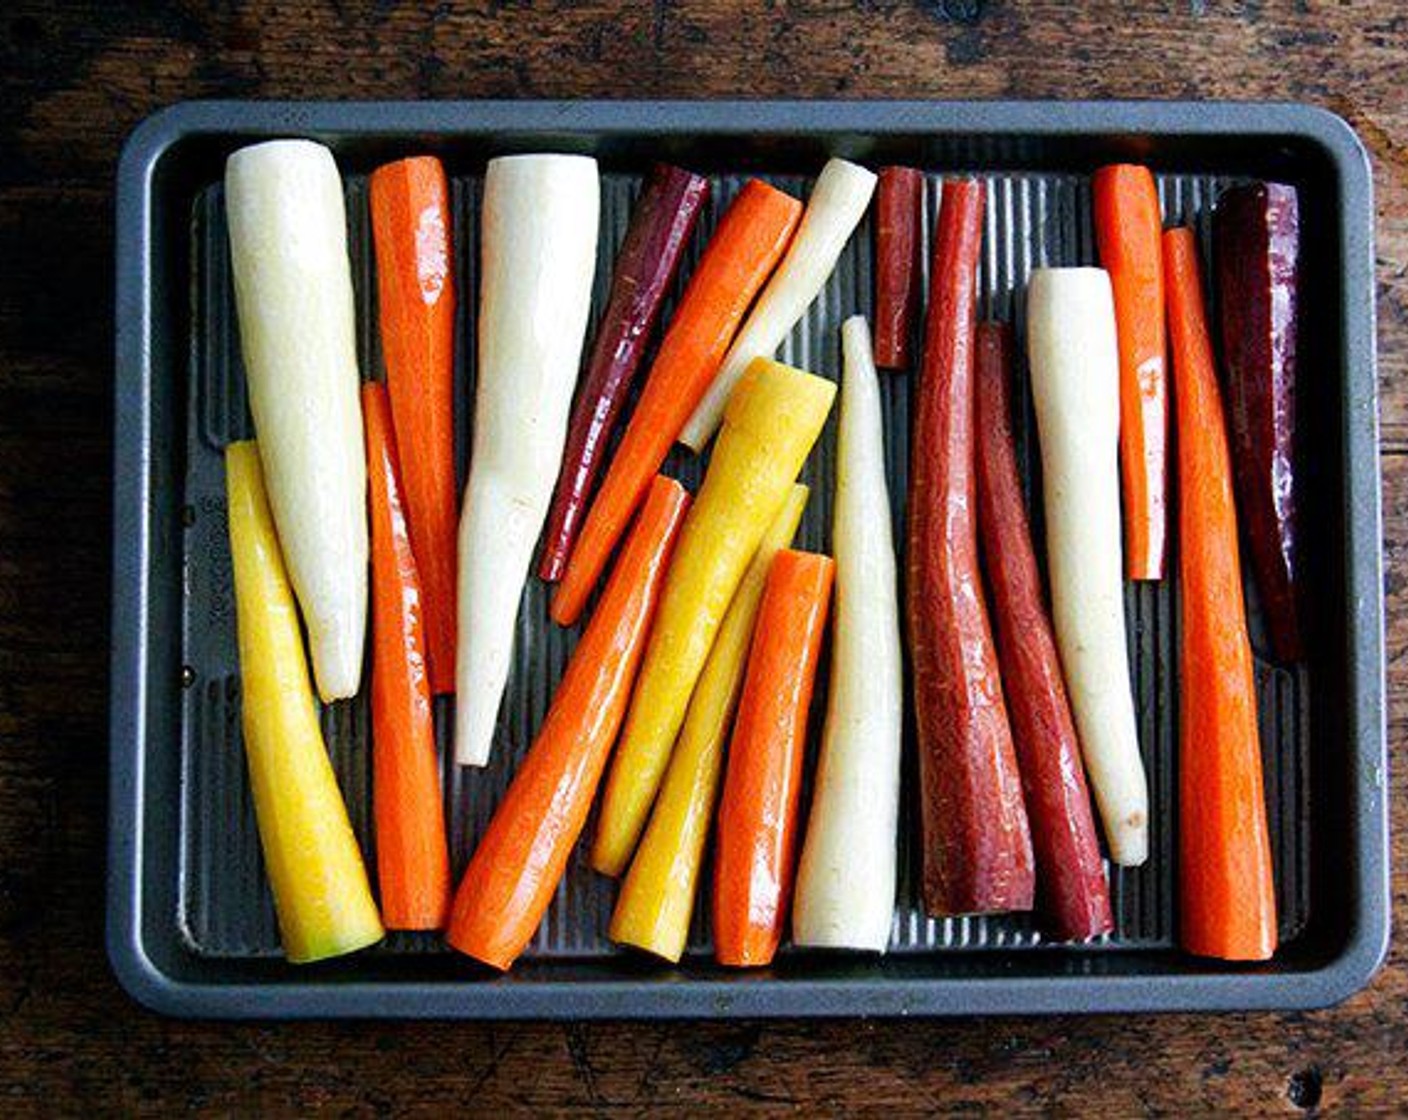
{"x": 657, "y": 897}
{"x": 773, "y": 418}
{"x": 321, "y": 894}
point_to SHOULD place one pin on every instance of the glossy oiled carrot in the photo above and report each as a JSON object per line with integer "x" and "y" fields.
{"x": 516, "y": 868}
{"x": 661, "y": 224}
{"x": 321, "y": 895}
{"x": 1128, "y": 225}
{"x": 411, "y": 228}
{"x": 1256, "y": 228}
{"x": 1227, "y": 901}
{"x": 1074, "y": 898}
{"x": 977, "y": 854}
{"x": 412, "y": 858}
{"x": 656, "y": 902}
{"x": 539, "y": 219}
{"x": 773, "y": 420}
{"x": 757, "y": 840}
{"x": 899, "y": 207}
{"x": 747, "y": 244}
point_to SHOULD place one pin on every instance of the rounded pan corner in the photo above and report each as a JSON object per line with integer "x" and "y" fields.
{"x": 156, "y": 133}
{"x": 1338, "y": 138}
{"x": 1364, "y": 956}
{"x": 142, "y": 979}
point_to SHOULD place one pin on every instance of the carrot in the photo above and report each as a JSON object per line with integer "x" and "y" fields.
{"x": 411, "y": 225}
{"x": 1074, "y": 898}
{"x": 1227, "y": 906}
{"x": 977, "y": 850}
{"x": 740, "y": 256}
{"x": 517, "y": 866}
{"x": 661, "y": 223}
{"x": 321, "y": 895}
{"x": 1127, "y": 228}
{"x": 899, "y": 206}
{"x": 773, "y": 420}
{"x": 754, "y": 863}
{"x": 412, "y": 857}
{"x": 656, "y": 902}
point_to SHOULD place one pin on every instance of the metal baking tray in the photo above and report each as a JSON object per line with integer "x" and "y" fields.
{"x": 190, "y": 921}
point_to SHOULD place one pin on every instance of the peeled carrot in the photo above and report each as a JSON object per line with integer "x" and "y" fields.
{"x": 747, "y": 244}
{"x": 1128, "y": 224}
{"x": 321, "y": 895}
{"x": 977, "y": 849}
{"x": 754, "y": 862}
{"x": 410, "y": 207}
{"x": 517, "y": 866}
{"x": 656, "y": 902}
{"x": 1227, "y": 900}
{"x": 773, "y": 420}
{"x": 899, "y": 208}
{"x": 661, "y": 223}
{"x": 412, "y": 856}
{"x": 1073, "y": 896}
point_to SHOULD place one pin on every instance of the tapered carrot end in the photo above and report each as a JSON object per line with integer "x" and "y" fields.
{"x": 552, "y": 566}
{"x": 566, "y": 605}
{"x": 475, "y": 929}
{"x": 607, "y": 857}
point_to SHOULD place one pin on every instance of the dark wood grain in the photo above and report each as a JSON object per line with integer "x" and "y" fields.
{"x": 75, "y": 78}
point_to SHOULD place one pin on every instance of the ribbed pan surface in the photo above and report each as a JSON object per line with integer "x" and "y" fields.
{"x": 1032, "y": 221}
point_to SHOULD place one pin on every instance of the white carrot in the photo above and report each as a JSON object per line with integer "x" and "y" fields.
{"x": 538, "y": 254}
{"x": 293, "y": 293}
{"x": 1075, "y": 387}
{"x": 846, "y": 881}
{"x": 837, "y": 204}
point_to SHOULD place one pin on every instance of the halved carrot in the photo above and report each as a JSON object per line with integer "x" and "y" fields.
{"x": 754, "y": 862}
{"x": 1227, "y": 900}
{"x": 1128, "y": 224}
{"x": 412, "y": 856}
{"x": 411, "y": 224}
{"x": 747, "y": 244}
{"x": 515, "y": 870}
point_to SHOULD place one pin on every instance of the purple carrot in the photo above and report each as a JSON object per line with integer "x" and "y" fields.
{"x": 1256, "y": 233}
{"x": 661, "y": 224}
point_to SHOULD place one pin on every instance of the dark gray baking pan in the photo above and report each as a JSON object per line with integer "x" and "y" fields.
{"x": 190, "y": 923}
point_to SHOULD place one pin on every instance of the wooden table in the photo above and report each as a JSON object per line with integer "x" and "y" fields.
{"x": 76, "y": 77}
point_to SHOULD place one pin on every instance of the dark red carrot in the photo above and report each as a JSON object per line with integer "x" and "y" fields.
{"x": 1227, "y": 898}
{"x": 1072, "y": 894}
{"x": 515, "y": 870}
{"x": 411, "y": 227}
{"x": 755, "y": 854}
{"x": 412, "y": 857}
{"x": 741, "y": 254}
{"x": 899, "y": 208}
{"x": 1256, "y": 233}
{"x": 977, "y": 851}
{"x": 661, "y": 223}
{"x": 1128, "y": 225}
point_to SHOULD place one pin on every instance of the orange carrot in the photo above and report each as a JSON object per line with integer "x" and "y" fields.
{"x": 1127, "y": 228}
{"x": 410, "y": 209}
{"x": 413, "y": 860}
{"x": 754, "y": 862}
{"x": 515, "y": 870}
{"x": 1227, "y": 897}
{"x": 740, "y": 256}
